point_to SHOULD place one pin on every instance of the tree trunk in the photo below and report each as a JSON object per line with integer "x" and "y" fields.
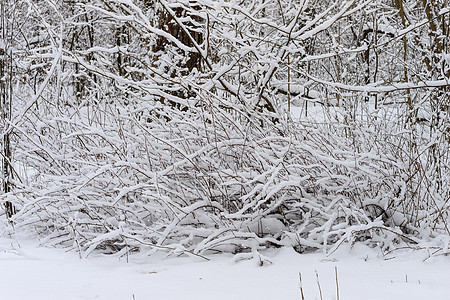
{"x": 5, "y": 104}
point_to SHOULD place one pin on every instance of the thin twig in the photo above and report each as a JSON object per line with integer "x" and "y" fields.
{"x": 163, "y": 247}
{"x": 301, "y": 285}
{"x": 337, "y": 282}
{"x": 318, "y": 285}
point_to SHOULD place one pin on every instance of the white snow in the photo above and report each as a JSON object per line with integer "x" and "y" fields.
{"x": 32, "y": 272}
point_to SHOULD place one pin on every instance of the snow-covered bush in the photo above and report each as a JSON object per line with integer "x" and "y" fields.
{"x": 212, "y": 179}
{"x": 172, "y": 129}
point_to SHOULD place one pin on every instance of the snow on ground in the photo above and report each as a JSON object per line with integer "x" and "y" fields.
{"x": 29, "y": 272}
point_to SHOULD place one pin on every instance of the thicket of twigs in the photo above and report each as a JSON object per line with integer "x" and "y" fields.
{"x": 193, "y": 149}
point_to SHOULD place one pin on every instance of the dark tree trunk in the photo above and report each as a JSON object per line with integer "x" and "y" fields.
{"x": 5, "y": 105}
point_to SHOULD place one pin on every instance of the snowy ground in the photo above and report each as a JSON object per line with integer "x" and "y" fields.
{"x": 30, "y": 272}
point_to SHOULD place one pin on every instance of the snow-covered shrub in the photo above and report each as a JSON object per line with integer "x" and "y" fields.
{"x": 172, "y": 130}
{"x": 210, "y": 178}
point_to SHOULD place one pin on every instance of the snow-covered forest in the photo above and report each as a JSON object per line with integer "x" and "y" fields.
{"x": 200, "y": 126}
